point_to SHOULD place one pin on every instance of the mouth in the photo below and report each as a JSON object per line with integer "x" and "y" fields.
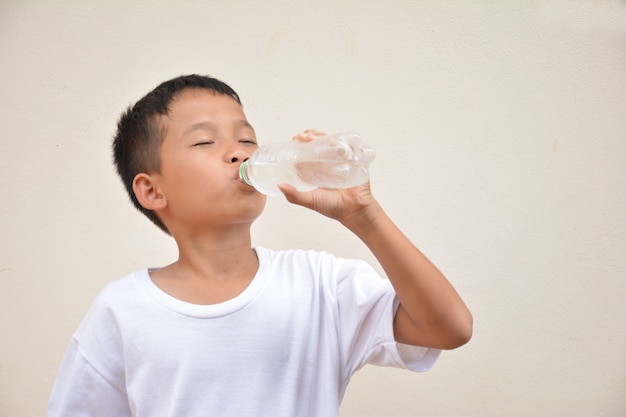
{"x": 240, "y": 181}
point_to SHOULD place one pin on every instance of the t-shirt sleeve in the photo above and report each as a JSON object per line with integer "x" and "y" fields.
{"x": 367, "y": 306}
{"x": 81, "y": 391}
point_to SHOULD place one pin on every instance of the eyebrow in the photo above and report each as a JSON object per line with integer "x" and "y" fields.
{"x": 212, "y": 126}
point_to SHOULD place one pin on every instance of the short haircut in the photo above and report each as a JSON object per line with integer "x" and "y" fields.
{"x": 140, "y": 133}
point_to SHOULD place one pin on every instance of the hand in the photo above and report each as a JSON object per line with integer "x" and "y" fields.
{"x": 346, "y": 205}
{"x": 350, "y": 206}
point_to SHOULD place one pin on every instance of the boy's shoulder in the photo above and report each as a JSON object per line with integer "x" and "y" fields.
{"x": 121, "y": 290}
{"x": 302, "y": 259}
{"x": 277, "y": 255}
{"x": 323, "y": 265}
{"x": 295, "y": 255}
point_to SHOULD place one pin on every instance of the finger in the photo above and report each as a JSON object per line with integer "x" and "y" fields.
{"x": 300, "y": 198}
{"x": 292, "y": 195}
{"x": 314, "y": 132}
{"x": 308, "y": 135}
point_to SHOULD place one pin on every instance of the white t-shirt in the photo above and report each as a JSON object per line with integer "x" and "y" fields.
{"x": 286, "y": 346}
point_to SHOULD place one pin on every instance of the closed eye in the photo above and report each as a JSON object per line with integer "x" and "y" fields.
{"x": 250, "y": 141}
{"x": 204, "y": 143}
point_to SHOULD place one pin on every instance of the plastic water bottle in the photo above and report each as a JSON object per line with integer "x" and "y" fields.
{"x": 339, "y": 160}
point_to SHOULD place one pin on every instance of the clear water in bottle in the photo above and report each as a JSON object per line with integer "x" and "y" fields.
{"x": 335, "y": 161}
{"x": 265, "y": 177}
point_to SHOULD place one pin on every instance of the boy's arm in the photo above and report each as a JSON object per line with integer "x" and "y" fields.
{"x": 431, "y": 313}
{"x": 81, "y": 390}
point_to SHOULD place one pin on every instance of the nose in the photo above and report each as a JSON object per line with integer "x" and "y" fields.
{"x": 238, "y": 154}
{"x": 236, "y": 159}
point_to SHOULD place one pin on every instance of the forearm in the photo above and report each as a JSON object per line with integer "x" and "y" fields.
{"x": 431, "y": 312}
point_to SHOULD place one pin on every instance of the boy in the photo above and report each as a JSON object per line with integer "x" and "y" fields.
{"x": 231, "y": 330}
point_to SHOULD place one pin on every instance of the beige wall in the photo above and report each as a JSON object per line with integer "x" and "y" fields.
{"x": 501, "y": 136}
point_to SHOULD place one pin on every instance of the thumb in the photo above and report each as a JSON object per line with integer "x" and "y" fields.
{"x": 294, "y": 196}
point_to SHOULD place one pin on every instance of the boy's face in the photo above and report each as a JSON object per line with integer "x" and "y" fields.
{"x": 207, "y": 137}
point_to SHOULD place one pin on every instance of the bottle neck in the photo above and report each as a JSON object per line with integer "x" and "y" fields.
{"x": 243, "y": 173}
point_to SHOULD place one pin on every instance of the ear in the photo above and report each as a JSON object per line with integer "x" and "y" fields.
{"x": 148, "y": 194}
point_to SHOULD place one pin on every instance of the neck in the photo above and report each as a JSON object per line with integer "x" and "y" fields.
{"x": 217, "y": 256}
{"x": 209, "y": 270}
